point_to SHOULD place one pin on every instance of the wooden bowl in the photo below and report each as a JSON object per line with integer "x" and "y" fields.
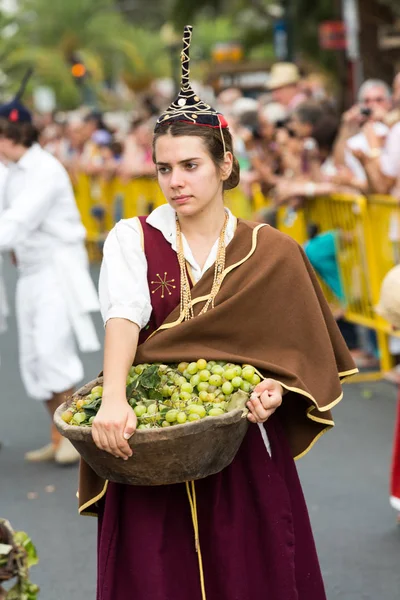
{"x": 162, "y": 456}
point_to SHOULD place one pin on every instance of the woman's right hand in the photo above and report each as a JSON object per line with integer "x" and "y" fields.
{"x": 114, "y": 424}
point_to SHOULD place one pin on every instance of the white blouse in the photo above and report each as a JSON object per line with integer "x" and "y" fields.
{"x": 123, "y": 287}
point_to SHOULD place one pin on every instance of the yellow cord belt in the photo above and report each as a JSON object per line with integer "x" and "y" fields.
{"x": 191, "y": 492}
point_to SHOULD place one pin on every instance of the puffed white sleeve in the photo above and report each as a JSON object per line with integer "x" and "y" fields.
{"x": 123, "y": 287}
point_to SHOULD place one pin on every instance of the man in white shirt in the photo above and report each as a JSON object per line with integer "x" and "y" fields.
{"x": 41, "y": 224}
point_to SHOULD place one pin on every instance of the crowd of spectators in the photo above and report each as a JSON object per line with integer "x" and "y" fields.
{"x": 291, "y": 140}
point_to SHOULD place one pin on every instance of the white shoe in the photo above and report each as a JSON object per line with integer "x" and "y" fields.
{"x": 44, "y": 454}
{"x": 66, "y": 453}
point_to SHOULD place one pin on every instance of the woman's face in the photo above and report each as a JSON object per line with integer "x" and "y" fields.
{"x": 188, "y": 177}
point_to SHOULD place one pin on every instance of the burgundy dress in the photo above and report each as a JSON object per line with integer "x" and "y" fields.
{"x": 255, "y": 536}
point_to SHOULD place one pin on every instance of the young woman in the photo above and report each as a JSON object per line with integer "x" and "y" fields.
{"x": 210, "y": 285}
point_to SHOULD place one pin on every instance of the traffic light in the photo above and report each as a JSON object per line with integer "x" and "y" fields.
{"x": 78, "y": 69}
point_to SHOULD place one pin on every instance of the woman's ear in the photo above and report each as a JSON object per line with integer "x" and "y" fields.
{"x": 227, "y": 165}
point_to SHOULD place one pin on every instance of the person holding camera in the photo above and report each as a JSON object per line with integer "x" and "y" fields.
{"x": 374, "y": 102}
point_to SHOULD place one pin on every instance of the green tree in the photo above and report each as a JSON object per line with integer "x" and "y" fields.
{"x": 95, "y": 30}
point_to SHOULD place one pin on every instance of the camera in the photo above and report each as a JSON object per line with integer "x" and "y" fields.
{"x": 365, "y": 112}
{"x": 281, "y": 123}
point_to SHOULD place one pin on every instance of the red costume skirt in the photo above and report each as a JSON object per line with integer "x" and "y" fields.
{"x": 395, "y": 473}
{"x": 254, "y": 531}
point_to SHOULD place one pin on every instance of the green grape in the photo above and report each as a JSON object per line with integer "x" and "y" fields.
{"x": 67, "y": 416}
{"x": 192, "y": 368}
{"x": 98, "y": 390}
{"x": 255, "y": 380}
{"x": 201, "y": 364}
{"x": 237, "y": 382}
{"x": 152, "y": 409}
{"x": 132, "y": 372}
{"x": 129, "y": 380}
{"x": 229, "y": 374}
{"x": 186, "y": 387}
{"x": 217, "y": 370}
{"x": 227, "y": 388}
{"x": 91, "y": 420}
{"x": 195, "y": 380}
{"x": 167, "y": 391}
{"x": 203, "y": 395}
{"x": 211, "y": 397}
{"x": 246, "y": 386}
{"x": 238, "y": 370}
{"x": 171, "y": 415}
{"x": 165, "y": 424}
{"x": 211, "y": 364}
{"x": 204, "y": 375}
{"x": 182, "y": 367}
{"x": 175, "y": 397}
{"x": 216, "y": 380}
{"x": 193, "y": 417}
{"x": 248, "y": 373}
{"x": 216, "y": 412}
{"x": 139, "y": 369}
{"x": 140, "y": 410}
{"x": 181, "y": 418}
{"x": 197, "y": 409}
{"x": 203, "y": 386}
{"x": 181, "y": 381}
{"x": 79, "y": 417}
{"x": 185, "y": 396}
{"x": 143, "y": 426}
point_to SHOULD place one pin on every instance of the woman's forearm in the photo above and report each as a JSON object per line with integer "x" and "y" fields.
{"x": 121, "y": 341}
{"x": 379, "y": 183}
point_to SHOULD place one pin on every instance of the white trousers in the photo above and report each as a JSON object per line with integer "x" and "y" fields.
{"x": 48, "y": 357}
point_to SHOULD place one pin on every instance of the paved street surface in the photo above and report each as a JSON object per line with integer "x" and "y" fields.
{"x": 345, "y": 480}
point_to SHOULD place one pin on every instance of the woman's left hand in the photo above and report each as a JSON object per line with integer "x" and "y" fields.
{"x": 264, "y": 400}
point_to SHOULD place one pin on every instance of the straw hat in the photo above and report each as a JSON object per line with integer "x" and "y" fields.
{"x": 389, "y": 302}
{"x": 283, "y": 74}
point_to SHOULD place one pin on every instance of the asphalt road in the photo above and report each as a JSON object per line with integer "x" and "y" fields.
{"x": 345, "y": 480}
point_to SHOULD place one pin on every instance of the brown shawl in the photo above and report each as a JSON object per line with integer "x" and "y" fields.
{"x": 270, "y": 312}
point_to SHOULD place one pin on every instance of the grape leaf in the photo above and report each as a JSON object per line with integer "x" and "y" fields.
{"x": 24, "y": 540}
{"x": 150, "y": 377}
{"x": 155, "y": 395}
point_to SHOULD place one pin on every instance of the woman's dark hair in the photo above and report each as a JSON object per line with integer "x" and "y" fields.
{"x": 325, "y": 132}
{"x": 24, "y": 134}
{"x": 212, "y": 140}
{"x": 308, "y": 112}
{"x": 312, "y": 230}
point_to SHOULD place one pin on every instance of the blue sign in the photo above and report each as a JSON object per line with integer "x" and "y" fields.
{"x": 281, "y": 39}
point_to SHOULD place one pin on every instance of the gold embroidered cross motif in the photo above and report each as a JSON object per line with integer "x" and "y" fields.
{"x": 163, "y": 284}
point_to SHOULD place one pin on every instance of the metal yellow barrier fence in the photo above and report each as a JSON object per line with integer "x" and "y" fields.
{"x": 365, "y": 254}
{"x": 384, "y": 212}
{"x": 367, "y": 233}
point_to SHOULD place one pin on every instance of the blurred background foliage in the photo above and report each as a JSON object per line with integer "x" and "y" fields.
{"x": 127, "y": 42}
